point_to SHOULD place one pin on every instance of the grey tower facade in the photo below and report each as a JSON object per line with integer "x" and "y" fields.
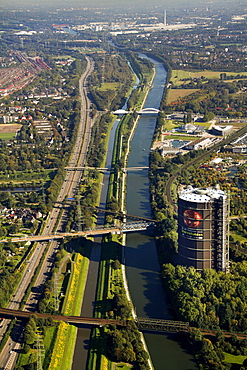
{"x": 203, "y": 228}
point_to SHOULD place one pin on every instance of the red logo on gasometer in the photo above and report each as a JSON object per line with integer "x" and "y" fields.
{"x": 192, "y": 218}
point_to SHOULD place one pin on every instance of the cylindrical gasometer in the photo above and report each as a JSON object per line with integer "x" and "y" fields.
{"x": 202, "y": 228}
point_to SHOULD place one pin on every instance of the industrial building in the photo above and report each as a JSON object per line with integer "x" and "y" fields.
{"x": 201, "y": 143}
{"x": 203, "y": 228}
{"x": 221, "y": 130}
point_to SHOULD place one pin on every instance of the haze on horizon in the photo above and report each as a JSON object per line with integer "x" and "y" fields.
{"x": 61, "y": 4}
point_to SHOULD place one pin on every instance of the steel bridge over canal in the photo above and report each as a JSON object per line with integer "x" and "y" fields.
{"x": 148, "y": 324}
{"x": 124, "y": 228}
{"x": 142, "y": 323}
{"x": 137, "y": 224}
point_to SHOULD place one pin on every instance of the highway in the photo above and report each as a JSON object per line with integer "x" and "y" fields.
{"x": 69, "y": 189}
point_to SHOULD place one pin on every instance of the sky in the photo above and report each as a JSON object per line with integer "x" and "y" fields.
{"x": 111, "y": 3}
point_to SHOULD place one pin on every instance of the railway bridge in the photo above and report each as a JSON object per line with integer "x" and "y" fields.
{"x": 142, "y": 323}
{"x": 170, "y": 326}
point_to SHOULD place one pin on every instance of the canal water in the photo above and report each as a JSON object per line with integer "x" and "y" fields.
{"x": 142, "y": 267}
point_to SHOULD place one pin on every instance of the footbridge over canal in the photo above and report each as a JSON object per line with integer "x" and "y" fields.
{"x": 148, "y": 111}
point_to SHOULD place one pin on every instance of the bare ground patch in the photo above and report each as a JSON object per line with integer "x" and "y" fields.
{"x": 9, "y": 128}
{"x": 175, "y": 94}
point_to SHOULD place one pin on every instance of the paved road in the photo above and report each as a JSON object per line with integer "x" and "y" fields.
{"x": 69, "y": 189}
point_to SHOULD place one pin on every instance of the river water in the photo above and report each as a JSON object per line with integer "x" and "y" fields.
{"x": 142, "y": 267}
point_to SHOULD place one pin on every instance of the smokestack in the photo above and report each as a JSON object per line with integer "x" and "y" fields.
{"x": 165, "y": 17}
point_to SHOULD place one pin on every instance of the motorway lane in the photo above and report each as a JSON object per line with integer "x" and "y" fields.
{"x": 69, "y": 189}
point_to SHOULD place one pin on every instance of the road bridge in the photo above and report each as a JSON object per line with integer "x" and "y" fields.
{"x": 109, "y": 169}
{"x": 124, "y": 228}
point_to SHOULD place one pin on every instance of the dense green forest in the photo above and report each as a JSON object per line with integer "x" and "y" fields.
{"x": 209, "y": 299}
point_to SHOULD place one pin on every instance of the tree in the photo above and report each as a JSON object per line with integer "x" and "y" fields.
{"x": 116, "y": 265}
{"x": 208, "y": 117}
{"x": 30, "y": 331}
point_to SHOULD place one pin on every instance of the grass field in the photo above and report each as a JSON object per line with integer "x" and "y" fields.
{"x": 7, "y": 135}
{"x": 8, "y": 130}
{"x": 69, "y": 348}
{"x": 169, "y": 125}
{"x": 20, "y": 177}
{"x": 62, "y": 57}
{"x": 178, "y": 75}
{"x": 181, "y": 137}
{"x": 62, "y": 354}
{"x": 234, "y": 359}
{"x": 86, "y": 49}
{"x": 175, "y": 94}
{"x": 108, "y": 86}
{"x": 76, "y": 286}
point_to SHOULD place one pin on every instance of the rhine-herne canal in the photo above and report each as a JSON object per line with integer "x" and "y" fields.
{"x": 142, "y": 267}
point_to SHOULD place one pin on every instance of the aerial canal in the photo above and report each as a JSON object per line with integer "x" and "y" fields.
{"x": 142, "y": 267}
